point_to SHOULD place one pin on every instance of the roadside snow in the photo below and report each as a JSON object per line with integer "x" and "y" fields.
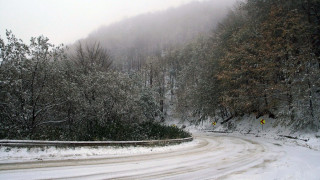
{"x": 298, "y": 160}
{"x": 214, "y": 156}
{"x": 14, "y": 154}
{"x": 250, "y": 125}
{"x": 232, "y": 155}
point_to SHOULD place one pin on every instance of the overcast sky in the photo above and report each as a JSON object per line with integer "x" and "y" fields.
{"x": 65, "y": 21}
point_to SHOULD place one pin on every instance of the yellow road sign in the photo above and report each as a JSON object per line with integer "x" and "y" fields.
{"x": 214, "y": 123}
{"x": 262, "y": 121}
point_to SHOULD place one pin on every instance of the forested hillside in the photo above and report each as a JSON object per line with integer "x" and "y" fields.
{"x": 46, "y": 94}
{"x": 263, "y": 59}
{"x": 123, "y": 81}
{"x": 132, "y": 40}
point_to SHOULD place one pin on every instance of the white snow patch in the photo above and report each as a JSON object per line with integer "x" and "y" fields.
{"x": 297, "y": 161}
{"x": 250, "y": 125}
{"x": 15, "y": 154}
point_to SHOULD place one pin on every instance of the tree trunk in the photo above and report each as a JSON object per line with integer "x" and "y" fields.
{"x": 290, "y": 102}
{"x": 311, "y": 104}
{"x": 151, "y": 76}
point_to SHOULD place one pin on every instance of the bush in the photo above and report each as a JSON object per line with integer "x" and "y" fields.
{"x": 118, "y": 131}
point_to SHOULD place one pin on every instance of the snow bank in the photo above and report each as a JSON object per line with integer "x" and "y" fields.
{"x": 14, "y": 154}
{"x": 250, "y": 125}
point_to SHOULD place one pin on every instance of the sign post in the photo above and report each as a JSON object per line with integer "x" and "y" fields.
{"x": 262, "y": 122}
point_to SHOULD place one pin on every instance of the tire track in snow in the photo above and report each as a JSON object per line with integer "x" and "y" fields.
{"x": 213, "y": 157}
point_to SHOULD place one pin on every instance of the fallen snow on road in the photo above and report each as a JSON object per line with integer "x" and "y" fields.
{"x": 249, "y": 125}
{"x": 209, "y": 156}
{"x": 14, "y": 154}
{"x": 296, "y": 160}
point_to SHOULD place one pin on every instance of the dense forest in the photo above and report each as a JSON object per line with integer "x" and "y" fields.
{"x": 46, "y": 94}
{"x": 262, "y": 58}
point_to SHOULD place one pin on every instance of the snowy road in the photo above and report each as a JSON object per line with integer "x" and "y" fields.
{"x": 213, "y": 157}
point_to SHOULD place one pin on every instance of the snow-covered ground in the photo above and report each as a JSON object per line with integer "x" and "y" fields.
{"x": 24, "y": 154}
{"x": 209, "y": 156}
{"x": 287, "y": 159}
{"x": 247, "y": 152}
{"x": 250, "y": 125}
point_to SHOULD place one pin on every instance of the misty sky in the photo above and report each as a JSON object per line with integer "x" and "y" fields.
{"x": 65, "y": 21}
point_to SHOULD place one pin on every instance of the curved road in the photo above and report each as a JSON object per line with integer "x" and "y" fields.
{"x": 214, "y": 157}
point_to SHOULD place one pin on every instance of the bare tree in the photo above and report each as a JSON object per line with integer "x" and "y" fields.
{"x": 92, "y": 57}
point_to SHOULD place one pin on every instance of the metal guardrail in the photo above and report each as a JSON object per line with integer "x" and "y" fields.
{"x": 32, "y": 143}
{"x": 208, "y": 130}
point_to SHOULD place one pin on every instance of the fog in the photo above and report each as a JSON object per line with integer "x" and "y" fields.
{"x": 132, "y": 40}
{"x": 67, "y": 21}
